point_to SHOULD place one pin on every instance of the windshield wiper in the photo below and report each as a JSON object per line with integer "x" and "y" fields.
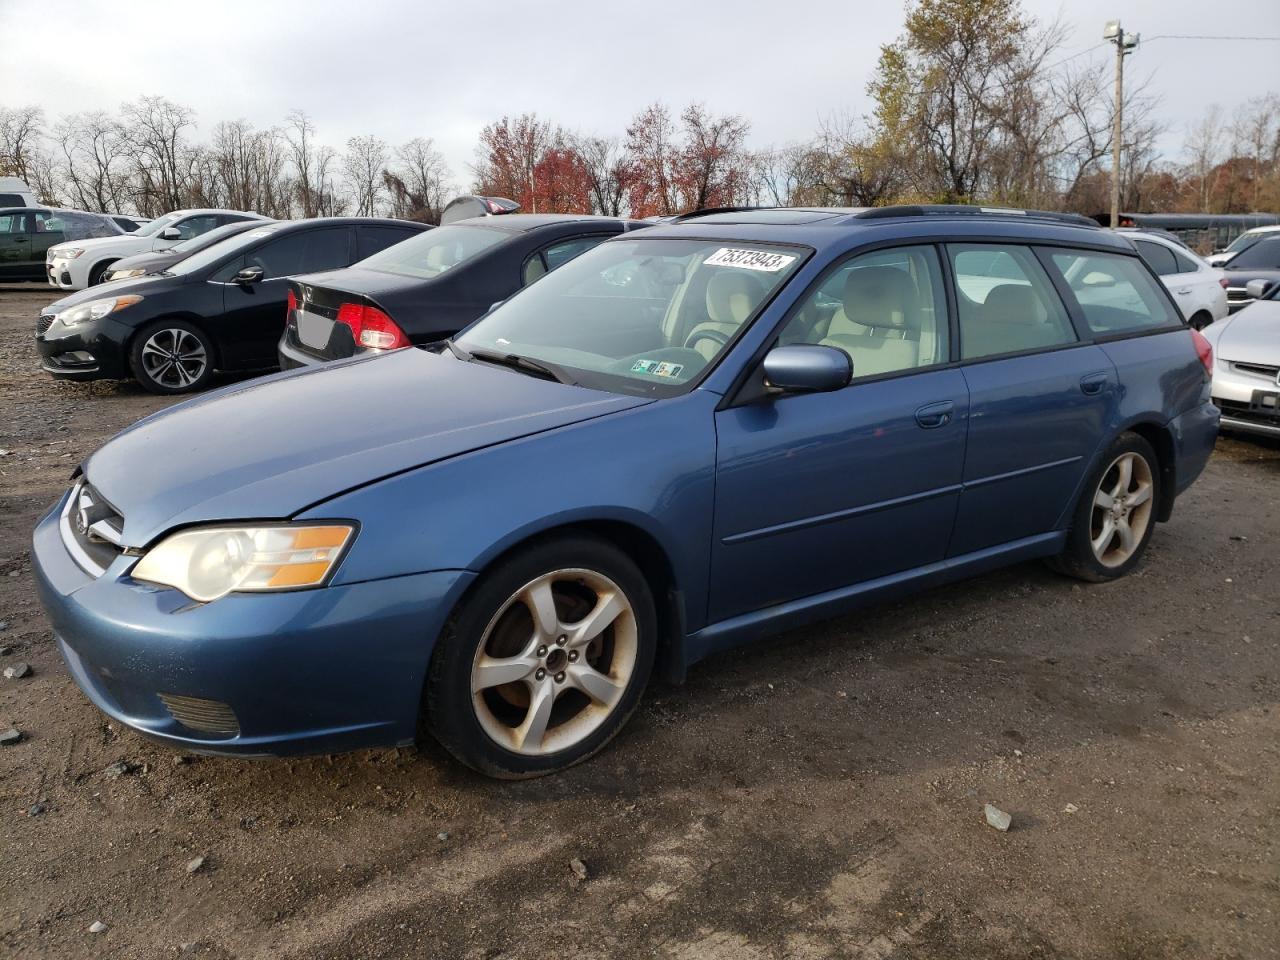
{"x": 515, "y": 361}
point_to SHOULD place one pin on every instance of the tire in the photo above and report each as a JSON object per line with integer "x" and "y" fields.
{"x": 95, "y": 275}
{"x": 152, "y": 353}
{"x": 1097, "y": 548}
{"x": 1200, "y": 320}
{"x": 531, "y": 714}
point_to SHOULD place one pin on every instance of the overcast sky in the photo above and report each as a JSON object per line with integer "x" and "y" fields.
{"x": 405, "y": 68}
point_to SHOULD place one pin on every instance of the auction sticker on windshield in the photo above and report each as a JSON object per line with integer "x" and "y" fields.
{"x": 749, "y": 259}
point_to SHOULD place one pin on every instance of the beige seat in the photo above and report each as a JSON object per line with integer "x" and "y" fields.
{"x": 731, "y": 296}
{"x": 879, "y": 322}
{"x": 1011, "y": 319}
{"x": 439, "y": 259}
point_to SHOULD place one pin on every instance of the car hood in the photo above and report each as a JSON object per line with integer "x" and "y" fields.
{"x": 123, "y": 244}
{"x": 271, "y": 448}
{"x": 1251, "y": 335}
{"x": 154, "y": 260}
{"x": 144, "y": 286}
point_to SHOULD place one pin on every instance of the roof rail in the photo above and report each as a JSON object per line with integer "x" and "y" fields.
{"x": 965, "y": 210}
{"x": 708, "y": 211}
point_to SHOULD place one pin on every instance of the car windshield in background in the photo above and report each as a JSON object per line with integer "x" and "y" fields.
{"x": 156, "y": 225}
{"x": 211, "y": 255}
{"x": 200, "y": 241}
{"x": 638, "y": 316}
{"x": 434, "y": 252}
{"x": 81, "y": 226}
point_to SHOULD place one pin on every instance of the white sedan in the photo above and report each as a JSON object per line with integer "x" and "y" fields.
{"x": 1246, "y": 363}
{"x": 74, "y": 266}
{"x": 1199, "y": 289}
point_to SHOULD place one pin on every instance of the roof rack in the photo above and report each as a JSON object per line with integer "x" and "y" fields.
{"x": 965, "y": 210}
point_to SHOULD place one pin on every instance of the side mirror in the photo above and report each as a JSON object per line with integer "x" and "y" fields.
{"x": 248, "y": 276}
{"x": 170, "y": 233}
{"x": 1257, "y": 289}
{"x": 807, "y": 368}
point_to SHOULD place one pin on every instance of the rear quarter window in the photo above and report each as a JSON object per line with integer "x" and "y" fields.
{"x": 1116, "y": 294}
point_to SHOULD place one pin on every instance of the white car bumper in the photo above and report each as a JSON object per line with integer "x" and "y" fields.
{"x": 1248, "y": 394}
{"x": 58, "y": 271}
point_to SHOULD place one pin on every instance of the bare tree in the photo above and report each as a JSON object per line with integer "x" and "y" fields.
{"x": 21, "y": 137}
{"x": 249, "y": 169}
{"x": 1204, "y": 150}
{"x": 419, "y": 181}
{"x": 161, "y": 155}
{"x": 93, "y": 168}
{"x": 606, "y": 167}
{"x": 365, "y": 159}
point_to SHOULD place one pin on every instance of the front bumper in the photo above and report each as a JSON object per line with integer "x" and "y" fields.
{"x": 90, "y": 351}
{"x": 1250, "y": 401}
{"x": 336, "y": 668}
{"x": 59, "y": 274}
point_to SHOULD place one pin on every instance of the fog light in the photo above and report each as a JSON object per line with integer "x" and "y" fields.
{"x": 75, "y": 358}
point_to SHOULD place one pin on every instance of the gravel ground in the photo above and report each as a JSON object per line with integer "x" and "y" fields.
{"x": 820, "y": 795}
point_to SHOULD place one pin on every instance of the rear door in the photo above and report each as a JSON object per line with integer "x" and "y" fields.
{"x": 15, "y": 245}
{"x": 1040, "y": 399}
{"x": 254, "y": 314}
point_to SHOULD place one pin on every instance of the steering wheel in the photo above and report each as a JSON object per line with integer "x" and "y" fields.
{"x": 710, "y": 333}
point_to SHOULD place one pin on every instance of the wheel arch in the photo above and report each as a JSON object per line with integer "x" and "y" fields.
{"x": 98, "y": 268}
{"x": 1161, "y": 440}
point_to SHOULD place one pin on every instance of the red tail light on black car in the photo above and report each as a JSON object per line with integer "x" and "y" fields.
{"x": 370, "y": 328}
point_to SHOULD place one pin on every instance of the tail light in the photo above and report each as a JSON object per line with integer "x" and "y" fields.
{"x": 371, "y": 328}
{"x": 1223, "y": 282}
{"x": 291, "y": 306}
{"x": 1204, "y": 350}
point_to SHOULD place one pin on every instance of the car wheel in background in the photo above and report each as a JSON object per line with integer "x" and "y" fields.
{"x": 1115, "y": 517}
{"x": 95, "y": 275}
{"x": 171, "y": 356}
{"x": 544, "y": 661}
{"x": 1200, "y": 320}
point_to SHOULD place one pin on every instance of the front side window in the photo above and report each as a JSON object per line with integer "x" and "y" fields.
{"x": 194, "y": 226}
{"x": 434, "y": 252}
{"x": 13, "y": 223}
{"x": 1263, "y": 255}
{"x": 158, "y": 224}
{"x": 1006, "y": 302}
{"x": 221, "y": 250}
{"x": 305, "y": 251}
{"x": 639, "y": 316}
{"x": 1116, "y": 295}
{"x": 886, "y": 309}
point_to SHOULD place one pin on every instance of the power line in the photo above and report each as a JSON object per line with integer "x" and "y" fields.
{"x": 1193, "y": 36}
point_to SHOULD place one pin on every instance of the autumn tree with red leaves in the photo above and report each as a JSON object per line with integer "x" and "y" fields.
{"x": 702, "y": 163}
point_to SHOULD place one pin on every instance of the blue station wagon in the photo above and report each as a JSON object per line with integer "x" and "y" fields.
{"x": 682, "y": 440}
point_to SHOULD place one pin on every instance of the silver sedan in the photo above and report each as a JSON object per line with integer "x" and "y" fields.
{"x": 1246, "y": 370}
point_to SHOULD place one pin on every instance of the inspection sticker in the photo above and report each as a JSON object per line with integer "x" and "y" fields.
{"x": 749, "y": 259}
{"x": 657, "y": 369}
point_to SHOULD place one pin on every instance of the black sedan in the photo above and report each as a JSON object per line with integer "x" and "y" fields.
{"x": 433, "y": 285}
{"x": 1258, "y": 262}
{"x": 221, "y": 308}
{"x": 158, "y": 261}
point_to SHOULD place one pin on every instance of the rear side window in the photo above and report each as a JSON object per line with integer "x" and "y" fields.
{"x": 305, "y": 251}
{"x": 1116, "y": 295}
{"x": 371, "y": 240}
{"x": 80, "y": 226}
{"x": 1159, "y": 258}
{"x": 1006, "y": 302}
{"x": 1185, "y": 264}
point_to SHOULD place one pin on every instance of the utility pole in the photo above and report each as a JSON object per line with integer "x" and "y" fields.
{"x": 1124, "y": 43}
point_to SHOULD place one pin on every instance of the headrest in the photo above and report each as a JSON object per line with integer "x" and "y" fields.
{"x": 732, "y": 295}
{"x": 881, "y": 297}
{"x": 1011, "y": 303}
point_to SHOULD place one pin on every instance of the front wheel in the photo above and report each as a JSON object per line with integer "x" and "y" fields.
{"x": 1115, "y": 517}
{"x": 545, "y": 661}
{"x": 172, "y": 356}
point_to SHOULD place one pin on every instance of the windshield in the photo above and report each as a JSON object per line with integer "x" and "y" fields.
{"x": 200, "y": 241}
{"x": 638, "y": 316}
{"x": 211, "y": 255}
{"x": 156, "y": 225}
{"x": 1245, "y": 240}
{"x": 434, "y": 252}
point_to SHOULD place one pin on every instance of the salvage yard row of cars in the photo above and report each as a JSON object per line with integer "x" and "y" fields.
{"x": 527, "y": 463}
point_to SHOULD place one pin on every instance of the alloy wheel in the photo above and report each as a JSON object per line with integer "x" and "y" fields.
{"x": 554, "y": 662}
{"x": 1121, "y": 509}
{"x": 174, "y": 357}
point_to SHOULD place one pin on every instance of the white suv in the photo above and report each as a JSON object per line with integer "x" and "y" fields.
{"x": 1199, "y": 290}
{"x": 74, "y": 266}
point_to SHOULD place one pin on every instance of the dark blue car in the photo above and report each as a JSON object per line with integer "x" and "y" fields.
{"x": 684, "y": 439}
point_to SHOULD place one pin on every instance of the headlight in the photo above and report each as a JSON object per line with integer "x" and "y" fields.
{"x": 95, "y": 309}
{"x": 128, "y": 274}
{"x": 66, "y": 253}
{"x": 210, "y": 562}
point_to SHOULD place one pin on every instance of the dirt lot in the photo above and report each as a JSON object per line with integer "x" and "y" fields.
{"x": 820, "y": 795}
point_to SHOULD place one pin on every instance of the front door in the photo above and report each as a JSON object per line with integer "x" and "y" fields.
{"x": 815, "y": 492}
{"x": 15, "y": 245}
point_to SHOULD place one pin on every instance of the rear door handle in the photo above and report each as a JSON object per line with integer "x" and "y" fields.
{"x": 1093, "y": 383}
{"x": 933, "y": 415}
{"x": 1185, "y": 290}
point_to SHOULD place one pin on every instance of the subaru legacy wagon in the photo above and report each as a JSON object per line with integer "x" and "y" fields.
{"x": 684, "y": 439}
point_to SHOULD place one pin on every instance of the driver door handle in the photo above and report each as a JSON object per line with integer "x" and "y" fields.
{"x": 933, "y": 415}
{"x": 1092, "y": 384}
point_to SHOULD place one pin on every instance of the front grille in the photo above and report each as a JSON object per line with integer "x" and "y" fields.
{"x": 1257, "y": 369}
{"x": 44, "y": 323}
{"x": 205, "y": 716}
{"x": 1237, "y": 294}
{"x": 1239, "y": 410}
{"x": 91, "y": 529}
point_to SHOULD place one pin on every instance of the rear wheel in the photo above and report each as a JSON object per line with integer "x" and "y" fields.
{"x": 1200, "y": 320}
{"x": 172, "y": 356}
{"x": 1115, "y": 517}
{"x": 545, "y": 660}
